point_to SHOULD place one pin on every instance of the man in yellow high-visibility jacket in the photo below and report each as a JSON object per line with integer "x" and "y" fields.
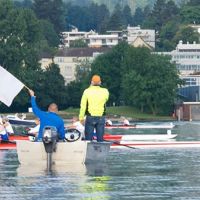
{"x": 93, "y": 105}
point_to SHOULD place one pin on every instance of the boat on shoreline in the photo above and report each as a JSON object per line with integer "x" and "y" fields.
{"x": 16, "y": 120}
{"x": 142, "y": 126}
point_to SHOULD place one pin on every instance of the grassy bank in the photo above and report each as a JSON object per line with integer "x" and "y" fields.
{"x": 116, "y": 112}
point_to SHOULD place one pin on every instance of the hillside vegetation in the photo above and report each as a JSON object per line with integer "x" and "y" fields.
{"x": 133, "y": 4}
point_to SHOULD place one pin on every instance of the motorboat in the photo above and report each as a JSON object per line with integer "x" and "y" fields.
{"x": 16, "y": 120}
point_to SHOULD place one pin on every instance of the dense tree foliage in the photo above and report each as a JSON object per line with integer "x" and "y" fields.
{"x": 51, "y": 10}
{"x": 149, "y": 81}
{"x": 171, "y": 28}
{"x": 20, "y": 46}
{"x": 86, "y": 18}
{"x": 24, "y": 4}
{"x": 52, "y": 87}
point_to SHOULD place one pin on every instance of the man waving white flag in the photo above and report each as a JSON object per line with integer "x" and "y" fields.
{"x": 10, "y": 86}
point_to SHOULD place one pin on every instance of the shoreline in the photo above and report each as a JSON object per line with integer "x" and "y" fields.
{"x": 118, "y": 118}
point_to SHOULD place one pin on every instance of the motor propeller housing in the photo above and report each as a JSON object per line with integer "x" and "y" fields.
{"x": 49, "y": 138}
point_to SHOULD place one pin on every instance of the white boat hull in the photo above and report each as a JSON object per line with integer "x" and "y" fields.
{"x": 148, "y": 137}
{"x": 66, "y": 152}
{"x": 153, "y": 145}
{"x": 142, "y": 126}
{"x": 140, "y": 137}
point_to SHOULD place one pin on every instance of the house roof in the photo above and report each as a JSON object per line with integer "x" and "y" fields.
{"x": 81, "y": 52}
{"x": 139, "y": 42}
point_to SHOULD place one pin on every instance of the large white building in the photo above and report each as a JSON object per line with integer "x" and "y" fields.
{"x": 147, "y": 35}
{"x": 187, "y": 57}
{"x": 187, "y": 60}
{"x": 93, "y": 39}
{"x": 75, "y": 34}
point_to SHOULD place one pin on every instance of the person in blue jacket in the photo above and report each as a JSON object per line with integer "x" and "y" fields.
{"x": 49, "y": 118}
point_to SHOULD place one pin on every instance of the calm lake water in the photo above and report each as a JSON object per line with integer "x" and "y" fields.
{"x": 147, "y": 174}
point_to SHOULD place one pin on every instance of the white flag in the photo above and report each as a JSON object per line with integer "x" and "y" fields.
{"x": 9, "y": 86}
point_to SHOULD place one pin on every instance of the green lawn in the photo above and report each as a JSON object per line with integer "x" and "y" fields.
{"x": 125, "y": 111}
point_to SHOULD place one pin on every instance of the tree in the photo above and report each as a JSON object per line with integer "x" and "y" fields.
{"x": 49, "y": 33}
{"x": 193, "y": 3}
{"x": 150, "y": 81}
{"x": 128, "y": 19}
{"x": 51, "y": 87}
{"x": 87, "y": 18}
{"x": 190, "y": 14}
{"x": 24, "y": 4}
{"x": 167, "y": 33}
{"x": 186, "y": 34}
{"x": 77, "y": 17}
{"x": 116, "y": 22}
{"x": 20, "y": 35}
{"x": 20, "y": 46}
{"x": 51, "y": 10}
{"x": 138, "y": 17}
{"x": 160, "y": 14}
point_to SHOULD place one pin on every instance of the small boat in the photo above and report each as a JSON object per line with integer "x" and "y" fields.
{"x": 142, "y": 126}
{"x": 66, "y": 152}
{"x": 15, "y": 120}
{"x": 141, "y": 137}
{"x": 156, "y": 144}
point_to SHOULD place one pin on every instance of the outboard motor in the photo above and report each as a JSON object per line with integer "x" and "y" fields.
{"x": 49, "y": 138}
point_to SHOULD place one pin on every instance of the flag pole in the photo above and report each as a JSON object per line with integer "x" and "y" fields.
{"x": 27, "y": 87}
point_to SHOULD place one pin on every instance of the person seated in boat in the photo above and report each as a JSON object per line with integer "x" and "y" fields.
{"x": 17, "y": 116}
{"x": 76, "y": 124}
{"x": 4, "y": 135}
{"x": 50, "y": 118}
{"x": 108, "y": 122}
{"x": 125, "y": 121}
{"x": 8, "y": 127}
{"x": 35, "y": 129}
{"x": 23, "y": 116}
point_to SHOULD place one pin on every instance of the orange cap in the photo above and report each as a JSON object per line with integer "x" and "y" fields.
{"x": 96, "y": 79}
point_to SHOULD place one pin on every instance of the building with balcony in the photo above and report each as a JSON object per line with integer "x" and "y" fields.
{"x": 75, "y": 34}
{"x": 103, "y": 40}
